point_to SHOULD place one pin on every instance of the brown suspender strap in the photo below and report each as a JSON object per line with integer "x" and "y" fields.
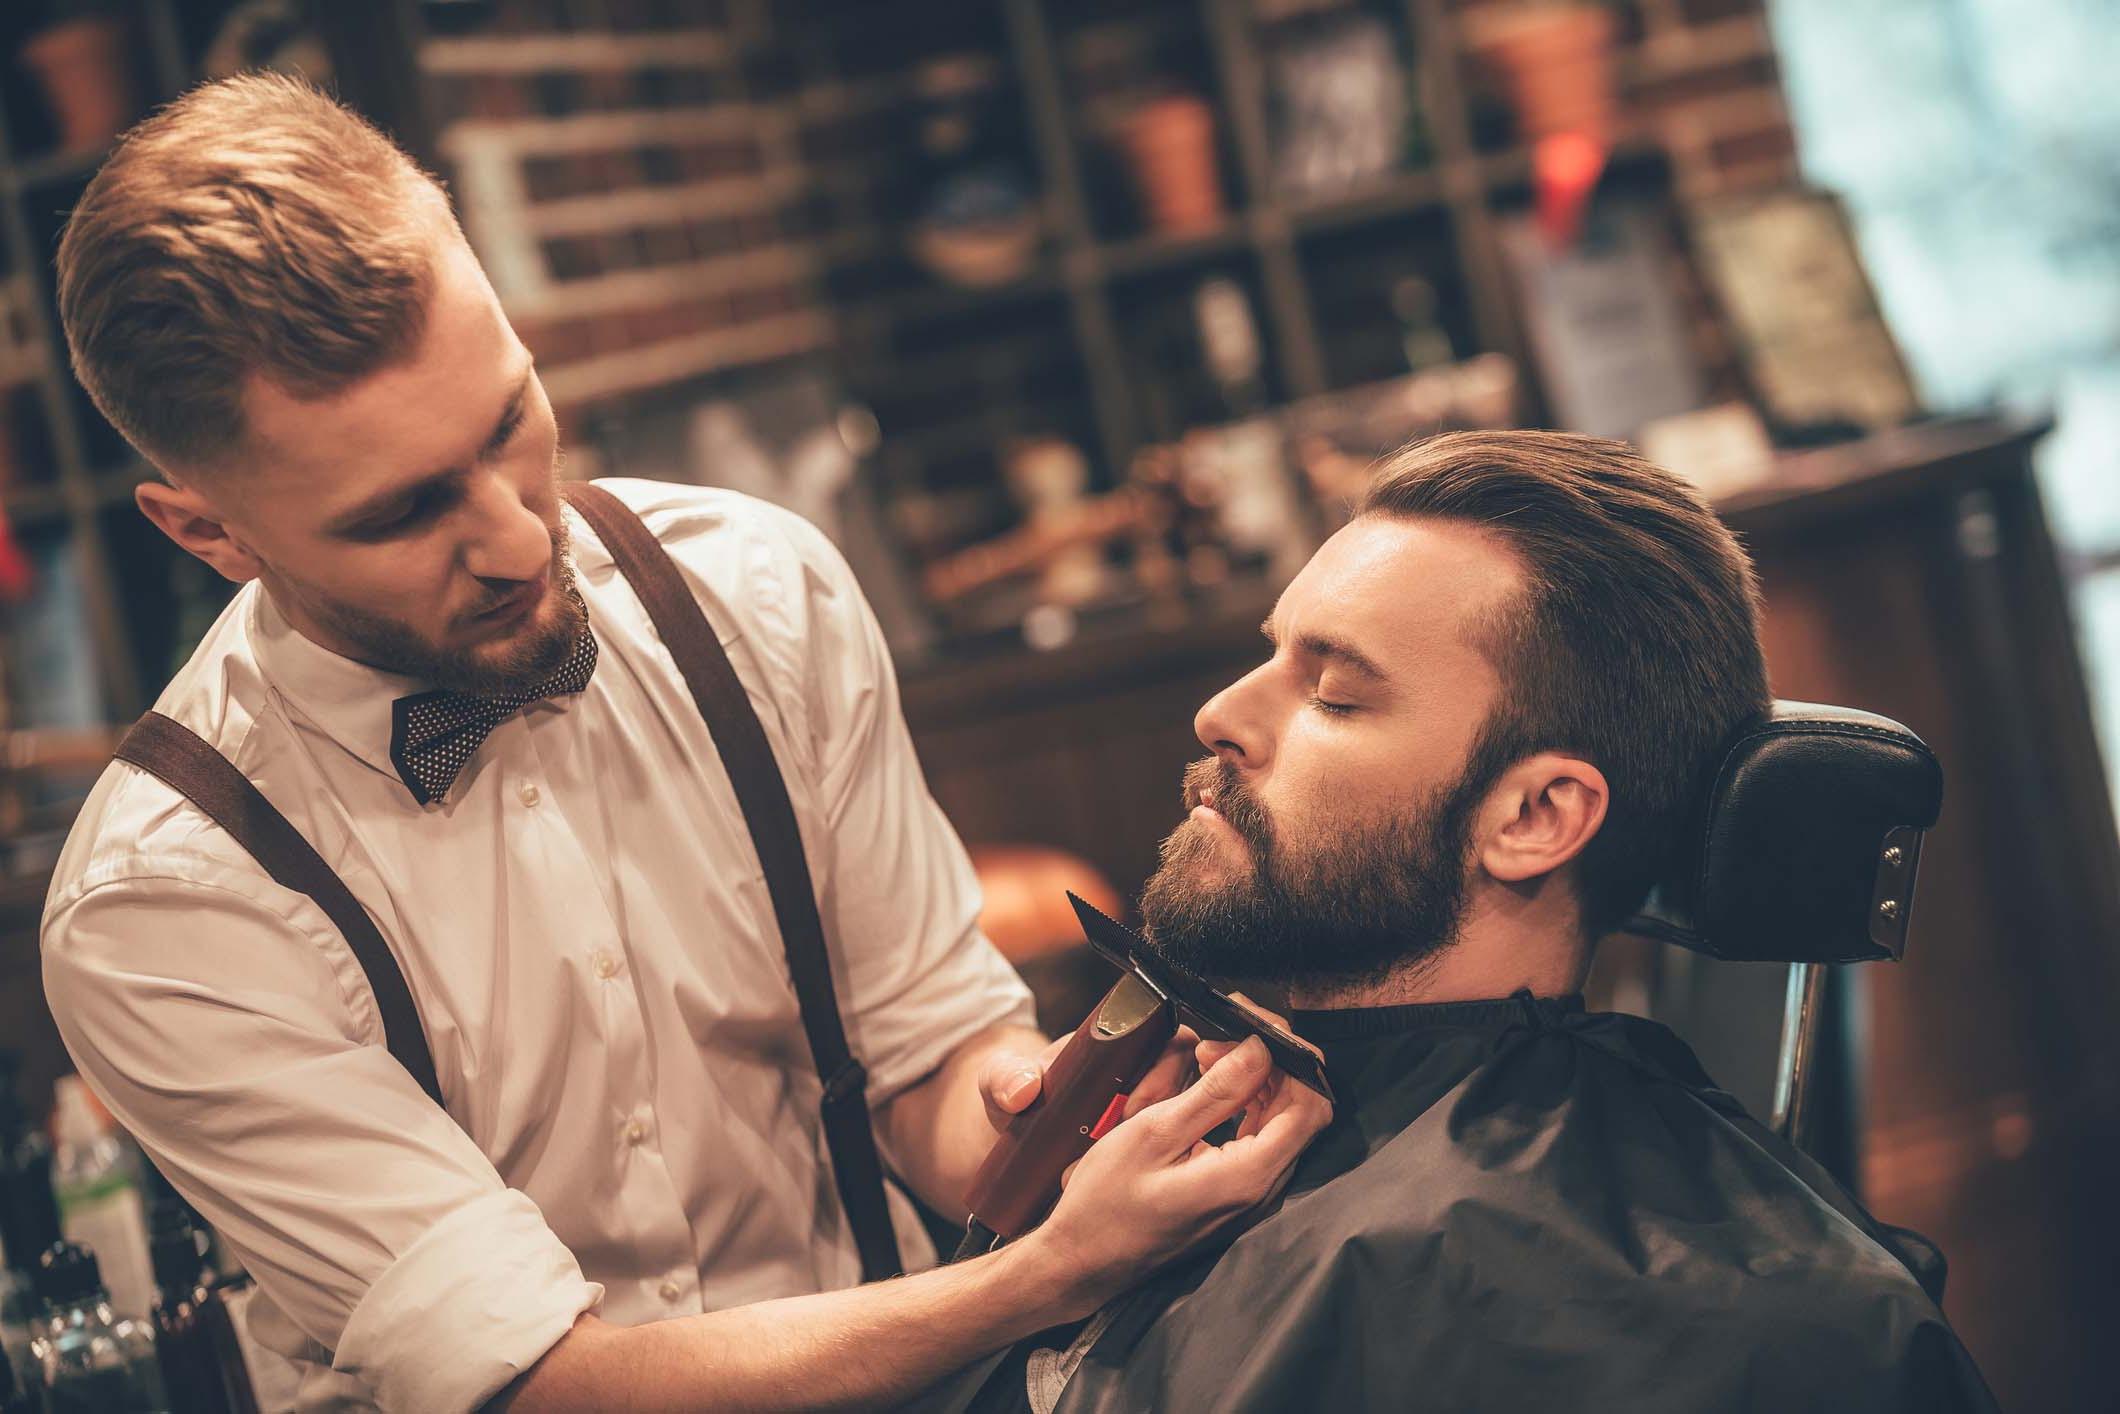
{"x": 181, "y": 759}
{"x": 763, "y": 795}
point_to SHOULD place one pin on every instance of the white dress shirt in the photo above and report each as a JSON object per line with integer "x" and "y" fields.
{"x": 632, "y": 1119}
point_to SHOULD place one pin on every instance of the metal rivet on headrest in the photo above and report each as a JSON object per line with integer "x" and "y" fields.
{"x": 1889, "y": 908}
{"x": 1894, "y": 854}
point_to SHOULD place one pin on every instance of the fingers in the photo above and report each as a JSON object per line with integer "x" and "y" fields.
{"x": 1262, "y": 1104}
{"x": 1172, "y": 1072}
{"x": 1009, "y": 1081}
{"x": 1285, "y": 1126}
{"x": 1280, "y": 1120}
{"x": 1208, "y": 1052}
{"x": 1224, "y": 1089}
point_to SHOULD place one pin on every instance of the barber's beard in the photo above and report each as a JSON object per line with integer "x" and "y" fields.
{"x": 499, "y": 668}
{"x": 1346, "y": 912}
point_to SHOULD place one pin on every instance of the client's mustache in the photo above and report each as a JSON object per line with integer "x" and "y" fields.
{"x": 1214, "y": 776}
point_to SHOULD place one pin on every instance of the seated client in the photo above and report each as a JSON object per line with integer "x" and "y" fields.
{"x": 1488, "y": 703}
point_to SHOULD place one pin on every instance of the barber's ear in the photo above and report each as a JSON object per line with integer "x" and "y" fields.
{"x": 1540, "y": 814}
{"x": 194, "y": 522}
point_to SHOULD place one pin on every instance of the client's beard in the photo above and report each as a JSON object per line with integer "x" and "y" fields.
{"x": 486, "y": 670}
{"x": 1360, "y": 907}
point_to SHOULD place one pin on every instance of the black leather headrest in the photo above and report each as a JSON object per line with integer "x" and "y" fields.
{"x": 1805, "y": 842}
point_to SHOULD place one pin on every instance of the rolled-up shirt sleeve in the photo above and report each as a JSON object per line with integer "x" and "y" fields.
{"x": 229, "y": 1029}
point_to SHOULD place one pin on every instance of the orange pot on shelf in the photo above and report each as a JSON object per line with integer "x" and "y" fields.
{"x": 87, "y": 77}
{"x": 1169, "y": 145}
{"x": 1557, "y": 63}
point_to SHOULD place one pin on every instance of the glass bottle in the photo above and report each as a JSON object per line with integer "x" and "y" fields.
{"x": 97, "y": 1178}
{"x": 15, "y": 1396}
{"x": 195, "y": 1340}
{"x": 89, "y": 1359}
{"x": 29, "y": 1220}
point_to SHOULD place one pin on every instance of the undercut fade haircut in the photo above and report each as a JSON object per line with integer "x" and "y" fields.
{"x": 1634, "y": 644}
{"x": 253, "y": 226}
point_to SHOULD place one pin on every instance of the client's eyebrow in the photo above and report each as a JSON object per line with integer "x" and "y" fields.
{"x": 1315, "y": 644}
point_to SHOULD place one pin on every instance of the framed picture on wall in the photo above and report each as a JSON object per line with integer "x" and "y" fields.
{"x": 1800, "y": 310}
{"x": 1604, "y": 320}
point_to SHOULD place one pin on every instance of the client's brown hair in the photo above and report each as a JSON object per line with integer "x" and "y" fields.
{"x": 1635, "y": 644}
{"x": 253, "y": 226}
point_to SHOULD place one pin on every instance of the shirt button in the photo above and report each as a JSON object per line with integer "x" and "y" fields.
{"x": 606, "y": 965}
{"x": 670, "y": 1291}
{"x": 529, "y": 794}
{"x": 635, "y": 1132}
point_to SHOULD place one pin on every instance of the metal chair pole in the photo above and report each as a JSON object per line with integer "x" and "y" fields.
{"x": 1799, "y": 1034}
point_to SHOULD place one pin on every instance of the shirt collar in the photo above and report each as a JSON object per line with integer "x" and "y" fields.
{"x": 348, "y": 701}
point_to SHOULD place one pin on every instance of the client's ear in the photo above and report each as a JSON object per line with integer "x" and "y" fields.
{"x": 1540, "y": 814}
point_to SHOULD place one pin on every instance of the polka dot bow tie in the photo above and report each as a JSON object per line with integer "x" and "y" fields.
{"x": 433, "y": 734}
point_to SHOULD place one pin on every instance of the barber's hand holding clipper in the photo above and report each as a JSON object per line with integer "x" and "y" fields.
{"x": 1123, "y": 1064}
{"x": 1108, "y": 1124}
{"x": 1151, "y": 1186}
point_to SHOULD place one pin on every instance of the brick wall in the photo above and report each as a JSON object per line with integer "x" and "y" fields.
{"x": 627, "y": 192}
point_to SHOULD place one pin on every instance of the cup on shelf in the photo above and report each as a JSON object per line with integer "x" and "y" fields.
{"x": 1557, "y": 62}
{"x": 83, "y": 66}
{"x": 1169, "y": 146}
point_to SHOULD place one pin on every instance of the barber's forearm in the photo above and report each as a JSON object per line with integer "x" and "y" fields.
{"x": 938, "y": 1131}
{"x": 861, "y": 1348}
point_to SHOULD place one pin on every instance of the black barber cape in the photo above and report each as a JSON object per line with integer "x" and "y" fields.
{"x": 1522, "y": 1206}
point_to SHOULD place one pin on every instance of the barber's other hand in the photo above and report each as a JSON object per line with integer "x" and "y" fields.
{"x": 1154, "y": 1187}
{"x": 1207, "y": 1053}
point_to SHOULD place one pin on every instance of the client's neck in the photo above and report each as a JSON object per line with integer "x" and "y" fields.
{"x": 1508, "y": 942}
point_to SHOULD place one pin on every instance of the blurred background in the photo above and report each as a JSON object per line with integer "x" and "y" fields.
{"x": 1077, "y": 322}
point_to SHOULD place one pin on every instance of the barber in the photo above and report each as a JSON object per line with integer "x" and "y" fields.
{"x": 517, "y": 912}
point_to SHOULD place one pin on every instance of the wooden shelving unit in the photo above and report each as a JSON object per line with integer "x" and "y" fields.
{"x": 73, "y": 475}
{"x": 1073, "y": 347}
{"x": 1446, "y": 203}
{"x": 833, "y": 94}
{"x": 78, "y": 485}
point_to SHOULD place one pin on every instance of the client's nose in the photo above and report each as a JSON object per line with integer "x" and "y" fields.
{"x": 1230, "y": 725}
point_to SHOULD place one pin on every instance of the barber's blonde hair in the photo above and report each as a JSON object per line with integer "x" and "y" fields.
{"x": 253, "y": 226}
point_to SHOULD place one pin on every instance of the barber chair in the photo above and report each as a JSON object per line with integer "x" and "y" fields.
{"x": 1802, "y": 849}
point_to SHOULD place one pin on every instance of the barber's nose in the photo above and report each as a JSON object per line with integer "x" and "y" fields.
{"x": 1231, "y": 725}
{"x": 511, "y": 540}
